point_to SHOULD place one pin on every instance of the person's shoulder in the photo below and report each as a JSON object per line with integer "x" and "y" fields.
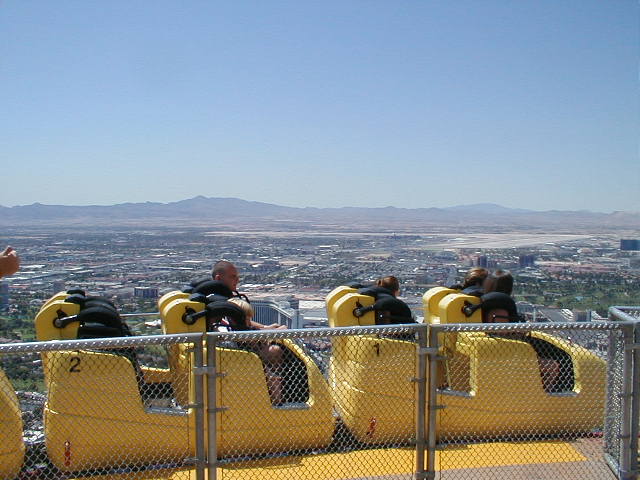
{"x": 475, "y": 290}
{"x": 375, "y": 291}
{"x": 209, "y": 287}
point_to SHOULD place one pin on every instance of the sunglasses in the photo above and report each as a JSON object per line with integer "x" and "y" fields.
{"x": 506, "y": 318}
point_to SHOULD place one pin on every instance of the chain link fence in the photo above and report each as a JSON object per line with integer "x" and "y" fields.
{"x": 629, "y": 463}
{"x": 96, "y": 407}
{"x": 528, "y": 400}
{"x": 396, "y": 402}
{"x": 330, "y": 403}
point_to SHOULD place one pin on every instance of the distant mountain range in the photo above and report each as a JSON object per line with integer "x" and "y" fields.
{"x": 230, "y": 212}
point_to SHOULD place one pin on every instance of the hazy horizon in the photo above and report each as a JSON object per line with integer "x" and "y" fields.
{"x": 471, "y": 205}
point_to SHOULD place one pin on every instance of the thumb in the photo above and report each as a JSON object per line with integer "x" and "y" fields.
{"x": 7, "y": 250}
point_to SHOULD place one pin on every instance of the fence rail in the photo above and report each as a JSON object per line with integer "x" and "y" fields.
{"x": 414, "y": 401}
{"x": 629, "y": 464}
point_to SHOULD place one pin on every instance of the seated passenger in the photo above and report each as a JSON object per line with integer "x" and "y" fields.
{"x": 389, "y": 286}
{"x": 498, "y": 281}
{"x": 270, "y": 353}
{"x": 473, "y": 282}
{"x": 498, "y": 307}
{"x": 389, "y": 309}
{"x": 226, "y": 274}
{"x": 556, "y": 367}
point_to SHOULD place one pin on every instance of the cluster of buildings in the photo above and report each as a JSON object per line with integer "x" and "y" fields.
{"x": 297, "y": 271}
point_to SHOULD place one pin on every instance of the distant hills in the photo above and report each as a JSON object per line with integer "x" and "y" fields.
{"x": 233, "y": 212}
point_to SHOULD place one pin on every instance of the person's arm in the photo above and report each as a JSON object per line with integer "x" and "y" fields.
{"x": 9, "y": 262}
{"x": 273, "y": 326}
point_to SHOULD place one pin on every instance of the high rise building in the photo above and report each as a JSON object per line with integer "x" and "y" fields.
{"x": 145, "y": 292}
{"x": 482, "y": 261}
{"x": 526, "y": 261}
{"x": 630, "y": 244}
{"x": 4, "y": 295}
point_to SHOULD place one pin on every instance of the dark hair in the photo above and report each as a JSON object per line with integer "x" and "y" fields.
{"x": 498, "y": 300}
{"x": 499, "y": 281}
{"x": 220, "y": 268}
{"x": 390, "y": 283}
{"x": 474, "y": 277}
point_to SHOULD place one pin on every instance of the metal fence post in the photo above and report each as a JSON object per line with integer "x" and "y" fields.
{"x": 626, "y": 472}
{"x": 613, "y": 406}
{"x": 212, "y": 421}
{"x": 421, "y": 402}
{"x": 635, "y": 402}
{"x": 432, "y": 401}
{"x": 198, "y": 406}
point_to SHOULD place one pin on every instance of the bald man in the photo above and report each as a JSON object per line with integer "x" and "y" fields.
{"x": 226, "y": 273}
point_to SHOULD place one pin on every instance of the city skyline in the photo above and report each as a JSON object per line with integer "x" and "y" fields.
{"x": 433, "y": 104}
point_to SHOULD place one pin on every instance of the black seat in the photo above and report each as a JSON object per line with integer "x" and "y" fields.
{"x": 99, "y": 318}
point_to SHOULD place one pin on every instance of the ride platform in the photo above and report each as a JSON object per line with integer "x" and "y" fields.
{"x": 575, "y": 460}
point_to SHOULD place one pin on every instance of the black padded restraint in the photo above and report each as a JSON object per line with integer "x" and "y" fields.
{"x": 216, "y": 311}
{"x": 213, "y": 286}
{"x": 398, "y": 311}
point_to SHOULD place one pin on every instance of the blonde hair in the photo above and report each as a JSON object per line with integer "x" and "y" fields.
{"x": 244, "y": 305}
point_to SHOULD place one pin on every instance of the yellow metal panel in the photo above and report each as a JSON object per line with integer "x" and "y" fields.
{"x": 60, "y": 296}
{"x": 251, "y": 423}
{"x": 94, "y": 415}
{"x": 342, "y": 311}
{"x": 11, "y": 445}
{"x": 335, "y": 295}
{"x": 46, "y": 330}
{"x": 167, "y": 298}
{"x": 430, "y": 303}
{"x": 370, "y": 383}
{"x": 499, "y": 403}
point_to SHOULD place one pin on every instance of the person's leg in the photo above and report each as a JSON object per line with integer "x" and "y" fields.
{"x": 549, "y": 371}
{"x": 272, "y": 357}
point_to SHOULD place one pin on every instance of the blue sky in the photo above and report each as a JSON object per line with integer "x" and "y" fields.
{"x": 529, "y": 104}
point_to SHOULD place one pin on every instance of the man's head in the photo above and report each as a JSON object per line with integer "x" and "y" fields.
{"x": 227, "y": 273}
{"x": 391, "y": 283}
{"x": 499, "y": 281}
{"x": 498, "y": 307}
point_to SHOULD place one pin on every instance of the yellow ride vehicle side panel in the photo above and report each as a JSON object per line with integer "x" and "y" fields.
{"x": 249, "y": 423}
{"x": 11, "y": 444}
{"x": 60, "y": 296}
{"x": 504, "y": 386}
{"x": 169, "y": 297}
{"x": 371, "y": 384}
{"x": 94, "y": 413}
{"x": 430, "y": 303}
{"x": 46, "y": 330}
{"x": 335, "y": 295}
{"x": 342, "y": 311}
